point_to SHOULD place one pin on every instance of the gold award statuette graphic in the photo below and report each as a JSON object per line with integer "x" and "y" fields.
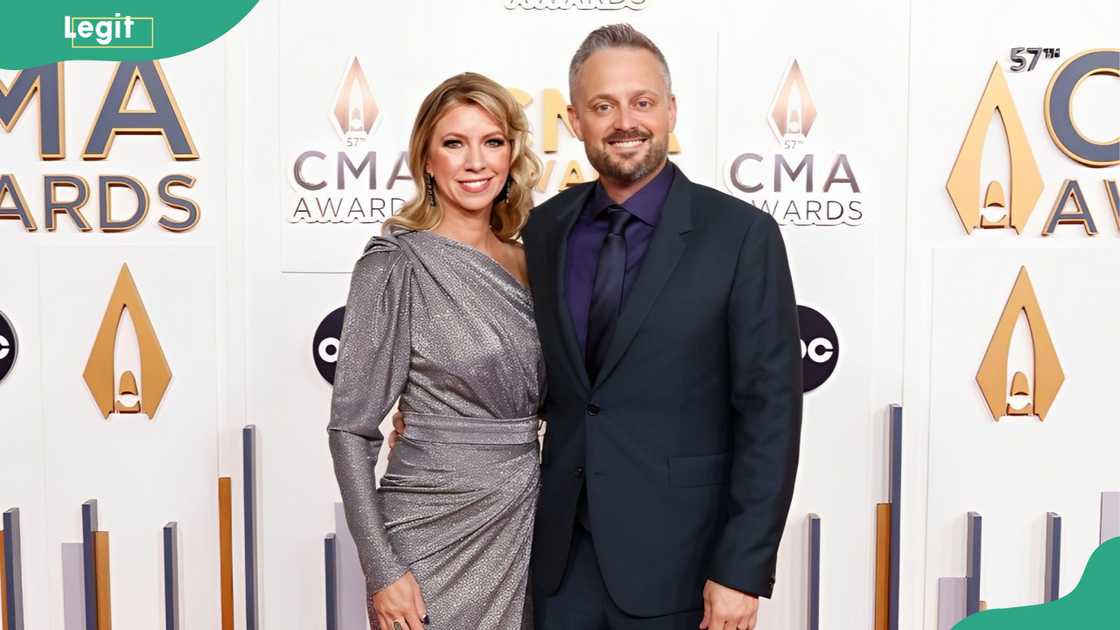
{"x": 793, "y": 112}
{"x": 100, "y": 373}
{"x": 355, "y": 110}
{"x": 1048, "y": 376}
{"x": 998, "y": 210}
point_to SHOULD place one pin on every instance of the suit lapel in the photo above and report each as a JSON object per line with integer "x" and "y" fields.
{"x": 566, "y": 219}
{"x": 658, "y": 263}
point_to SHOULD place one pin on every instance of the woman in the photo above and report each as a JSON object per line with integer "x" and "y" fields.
{"x": 439, "y": 315}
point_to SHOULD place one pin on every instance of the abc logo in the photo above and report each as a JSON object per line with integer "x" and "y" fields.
{"x": 8, "y": 348}
{"x": 324, "y": 348}
{"x": 820, "y": 348}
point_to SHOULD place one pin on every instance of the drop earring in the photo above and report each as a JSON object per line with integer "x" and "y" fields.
{"x": 430, "y": 189}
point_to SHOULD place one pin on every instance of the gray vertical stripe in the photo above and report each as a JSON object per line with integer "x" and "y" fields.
{"x": 1110, "y": 516}
{"x": 1053, "y": 556}
{"x": 814, "y": 611}
{"x": 896, "y": 514}
{"x": 73, "y": 590}
{"x": 13, "y": 569}
{"x": 951, "y": 596}
{"x": 351, "y": 583}
{"x": 972, "y": 573}
{"x": 171, "y": 576}
{"x": 330, "y": 563}
{"x": 249, "y": 494}
{"x": 89, "y": 588}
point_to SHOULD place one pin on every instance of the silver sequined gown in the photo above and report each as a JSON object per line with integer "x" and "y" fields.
{"x": 446, "y": 329}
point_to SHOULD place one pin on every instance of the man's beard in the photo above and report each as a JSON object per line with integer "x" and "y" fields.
{"x": 628, "y": 172}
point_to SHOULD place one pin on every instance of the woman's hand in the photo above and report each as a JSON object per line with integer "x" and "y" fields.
{"x": 399, "y": 602}
{"x": 398, "y": 429}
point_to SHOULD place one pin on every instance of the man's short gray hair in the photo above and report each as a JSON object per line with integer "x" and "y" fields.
{"x": 614, "y": 36}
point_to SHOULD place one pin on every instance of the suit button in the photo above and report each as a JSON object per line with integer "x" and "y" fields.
{"x": 579, "y": 471}
{"x": 592, "y": 409}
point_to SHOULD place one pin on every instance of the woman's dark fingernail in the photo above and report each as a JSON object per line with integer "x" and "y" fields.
{"x": 424, "y": 620}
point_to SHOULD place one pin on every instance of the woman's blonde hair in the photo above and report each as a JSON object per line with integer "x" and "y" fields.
{"x": 510, "y": 211}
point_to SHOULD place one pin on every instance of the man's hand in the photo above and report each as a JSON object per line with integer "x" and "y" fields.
{"x": 398, "y": 429}
{"x": 728, "y": 609}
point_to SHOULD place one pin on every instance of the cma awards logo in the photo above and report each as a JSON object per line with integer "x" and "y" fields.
{"x": 9, "y": 346}
{"x": 66, "y": 196}
{"x": 117, "y": 391}
{"x": 325, "y": 343}
{"x": 1023, "y": 396}
{"x": 1001, "y": 207}
{"x": 585, "y": 5}
{"x": 788, "y": 185}
{"x": 820, "y": 348}
{"x": 343, "y": 186}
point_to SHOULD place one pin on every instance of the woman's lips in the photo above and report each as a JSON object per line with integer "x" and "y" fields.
{"x": 475, "y": 185}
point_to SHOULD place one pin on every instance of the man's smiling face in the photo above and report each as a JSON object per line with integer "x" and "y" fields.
{"x": 623, "y": 111}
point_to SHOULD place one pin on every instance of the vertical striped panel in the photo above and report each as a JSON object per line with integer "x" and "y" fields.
{"x": 330, "y": 562}
{"x": 951, "y": 595}
{"x": 171, "y": 576}
{"x": 972, "y": 564}
{"x": 249, "y": 497}
{"x": 225, "y": 547}
{"x": 882, "y": 565}
{"x": 89, "y": 563}
{"x": 101, "y": 560}
{"x": 13, "y": 572}
{"x": 895, "y": 513}
{"x": 1053, "y": 556}
{"x": 73, "y": 587}
{"x": 814, "y": 612}
{"x": 3, "y": 588}
{"x": 1110, "y": 516}
{"x": 352, "y": 613}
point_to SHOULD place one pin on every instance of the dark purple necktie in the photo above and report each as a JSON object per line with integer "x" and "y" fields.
{"x": 606, "y": 293}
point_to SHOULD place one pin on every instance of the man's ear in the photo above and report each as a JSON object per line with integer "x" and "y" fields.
{"x": 672, "y": 112}
{"x": 573, "y": 117}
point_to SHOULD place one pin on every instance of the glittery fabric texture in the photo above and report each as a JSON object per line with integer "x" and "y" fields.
{"x": 446, "y": 329}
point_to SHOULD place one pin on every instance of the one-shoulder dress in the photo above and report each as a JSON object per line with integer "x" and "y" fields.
{"x": 447, "y": 330}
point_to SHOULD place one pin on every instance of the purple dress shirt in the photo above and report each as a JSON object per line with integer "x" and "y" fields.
{"x": 586, "y": 239}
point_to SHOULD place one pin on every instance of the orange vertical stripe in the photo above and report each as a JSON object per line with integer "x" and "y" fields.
{"x": 101, "y": 567}
{"x": 225, "y": 543}
{"x": 882, "y": 564}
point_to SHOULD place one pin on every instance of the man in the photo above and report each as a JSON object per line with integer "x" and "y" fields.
{"x": 669, "y": 327}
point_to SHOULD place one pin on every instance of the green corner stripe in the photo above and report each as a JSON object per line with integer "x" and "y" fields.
{"x": 1093, "y": 604}
{"x": 44, "y": 32}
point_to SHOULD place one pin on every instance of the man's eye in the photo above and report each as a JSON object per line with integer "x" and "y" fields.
{"x": 602, "y": 107}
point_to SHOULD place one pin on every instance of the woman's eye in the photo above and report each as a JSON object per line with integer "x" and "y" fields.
{"x": 496, "y": 142}
{"x": 452, "y": 144}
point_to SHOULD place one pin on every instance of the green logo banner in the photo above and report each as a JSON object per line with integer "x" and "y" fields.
{"x": 40, "y": 33}
{"x": 1093, "y": 604}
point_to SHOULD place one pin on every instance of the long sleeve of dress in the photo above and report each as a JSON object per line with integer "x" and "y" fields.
{"x": 370, "y": 375}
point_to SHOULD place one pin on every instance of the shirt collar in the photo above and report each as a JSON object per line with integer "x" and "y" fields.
{"x": 644, "y": 204}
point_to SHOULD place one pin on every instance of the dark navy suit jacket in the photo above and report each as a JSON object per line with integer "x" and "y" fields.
{"x": 688, "y": 440}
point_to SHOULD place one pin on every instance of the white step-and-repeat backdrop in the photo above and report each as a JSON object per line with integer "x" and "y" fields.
{"x": 946, "y": 179}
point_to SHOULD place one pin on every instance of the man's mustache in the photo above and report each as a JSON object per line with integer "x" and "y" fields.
{"x": 623, "y": 136}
